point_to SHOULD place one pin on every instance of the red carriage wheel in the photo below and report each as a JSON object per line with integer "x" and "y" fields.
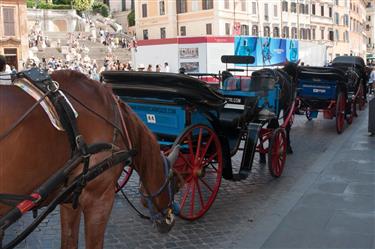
{"x": 124, "y": 177}
{"x": 340, "y": 112}
{"x": 199, "y": 169}
{"x": 277, "y": 152}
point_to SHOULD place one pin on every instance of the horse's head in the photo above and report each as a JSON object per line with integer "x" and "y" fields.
{"x": 291, "y": 68}
{"x": 160, "y": 200}
{"x": 154, "y": 170}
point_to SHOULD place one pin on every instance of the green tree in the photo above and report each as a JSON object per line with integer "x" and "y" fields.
{"x": 82, "y": 5}
{"x": 131, "y": 18}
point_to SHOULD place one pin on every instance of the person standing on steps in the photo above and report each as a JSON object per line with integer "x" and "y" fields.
{"x": 5, "y": 78}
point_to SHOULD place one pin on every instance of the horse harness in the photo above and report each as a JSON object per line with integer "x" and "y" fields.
{"x": 80, "y": 153}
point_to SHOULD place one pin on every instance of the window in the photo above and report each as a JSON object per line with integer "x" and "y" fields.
{"x": 163, "y": 34}
{"x": 227, "y": 29}
{"x": 209, "y": 29}
{"x": 308, "y": 34}
{"x": 285, "y": 6}
{"x": 337, "y": 2}
{"x": 254, "y": 8}
{"x": 266, "y": 17}
{"x": 161, "y": 8}
{"x": 276, "y": 32}
{"x": 330, "y": 11}
{"x": 181, "y": 6}
{"x": 346, "y": 20}
{"x": 266, "y": 31}
{"x": 293, "y": 7}
{"x": 301, "y": 8}
{"x": 313, "y": 34}
{"x": 243, "y": 5}
{"x": 183, "y": 31}
{"x": 330, "y": 35}
{"x": 207, "y": 4}
{"x": 313, "y": 9}
{"x": 254, "y": 30}
{"x": 337, "y": 36}
{"x": 145, "y": 34}
{"x": 322, "y": 10}
{"x": 144, "y": 10}
{"x": 9, "y": 23}
{"x": 302, "y": 33}
{"x": 337, "y": 21}
{"x": 306, "y": 9}
{"x": 322, "y": 34}
{"x": 195, "y": 5}
{"x": 275, "y": 12}
{"x": 294, "y": 33}
{"x": 226, "y": 4}
{"x": 286, "y": 32}
{"x": 244, "y": 29}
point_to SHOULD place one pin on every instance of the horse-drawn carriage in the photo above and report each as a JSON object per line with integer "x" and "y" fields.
{"x": 210, "y": 126}
{"x": 335, "y": 90}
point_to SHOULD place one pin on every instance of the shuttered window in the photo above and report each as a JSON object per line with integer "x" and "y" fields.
{"x": 9, "y": 25}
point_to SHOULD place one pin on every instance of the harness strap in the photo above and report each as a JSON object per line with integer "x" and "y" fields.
{"x": 123, "y": 124}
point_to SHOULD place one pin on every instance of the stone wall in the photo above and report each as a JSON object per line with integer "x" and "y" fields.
{"x": 55, "y": 20}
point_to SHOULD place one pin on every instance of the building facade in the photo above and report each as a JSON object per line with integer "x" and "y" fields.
{"x": 370, "y": 31}
{"x": 357, "y": 33}
{"x": 13, "y": 32}
{"x": 337, "y": 24}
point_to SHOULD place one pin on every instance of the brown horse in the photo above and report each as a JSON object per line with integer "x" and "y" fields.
{"x": 34, "y": 150}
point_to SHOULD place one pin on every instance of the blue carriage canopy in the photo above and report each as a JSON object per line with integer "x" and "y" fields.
{"x": 167, "y": 86}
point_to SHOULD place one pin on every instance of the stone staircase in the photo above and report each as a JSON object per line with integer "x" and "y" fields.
{"x": 97, "y": 50}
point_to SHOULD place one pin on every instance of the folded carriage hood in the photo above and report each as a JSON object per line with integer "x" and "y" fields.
{"x": 167, "y": 86}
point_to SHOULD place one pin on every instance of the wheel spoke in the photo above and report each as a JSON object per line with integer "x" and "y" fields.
{"x": 185, "y": 196}
{"x": 192, "y": 204}
{"x": 190, "y": 144}
{"x": 206, "y": 184}
{"x": 199, "y": 192}
{"x": 183, "y": 158}
{"x": 206, "y": 148}
{"x": 206, "y": 162}
{"x": 198, "y": 145}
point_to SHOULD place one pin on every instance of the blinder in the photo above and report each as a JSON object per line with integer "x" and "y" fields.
{"x": 157, "y": 215}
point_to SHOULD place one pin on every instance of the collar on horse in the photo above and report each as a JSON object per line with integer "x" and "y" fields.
{"x": 41, "y": 80}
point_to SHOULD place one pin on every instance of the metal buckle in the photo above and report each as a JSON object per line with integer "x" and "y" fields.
{"x": 55, "y": 85}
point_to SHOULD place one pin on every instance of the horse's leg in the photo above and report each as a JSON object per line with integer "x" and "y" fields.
{"x": 288, "y": 127}
{"x": 96, "y": 210}
{"x": 289, "y": 149}
{"x": 70, "y": 220}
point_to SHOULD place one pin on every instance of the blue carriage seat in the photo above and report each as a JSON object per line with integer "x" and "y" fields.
{"x": 231, "y": 84}
{"x": 245, "y": 84}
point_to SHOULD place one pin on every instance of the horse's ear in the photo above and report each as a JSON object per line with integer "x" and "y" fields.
{"x": 298, "y": 61}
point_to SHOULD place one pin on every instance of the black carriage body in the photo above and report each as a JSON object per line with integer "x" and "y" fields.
{"x": 168, "y": 103}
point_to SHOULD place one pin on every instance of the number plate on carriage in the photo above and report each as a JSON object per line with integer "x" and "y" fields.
{"x": 234, "y": 100}
{"x": 151, "y": 118}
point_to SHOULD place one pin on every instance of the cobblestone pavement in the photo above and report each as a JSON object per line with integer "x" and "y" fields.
{"x": 239, "y": 206}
